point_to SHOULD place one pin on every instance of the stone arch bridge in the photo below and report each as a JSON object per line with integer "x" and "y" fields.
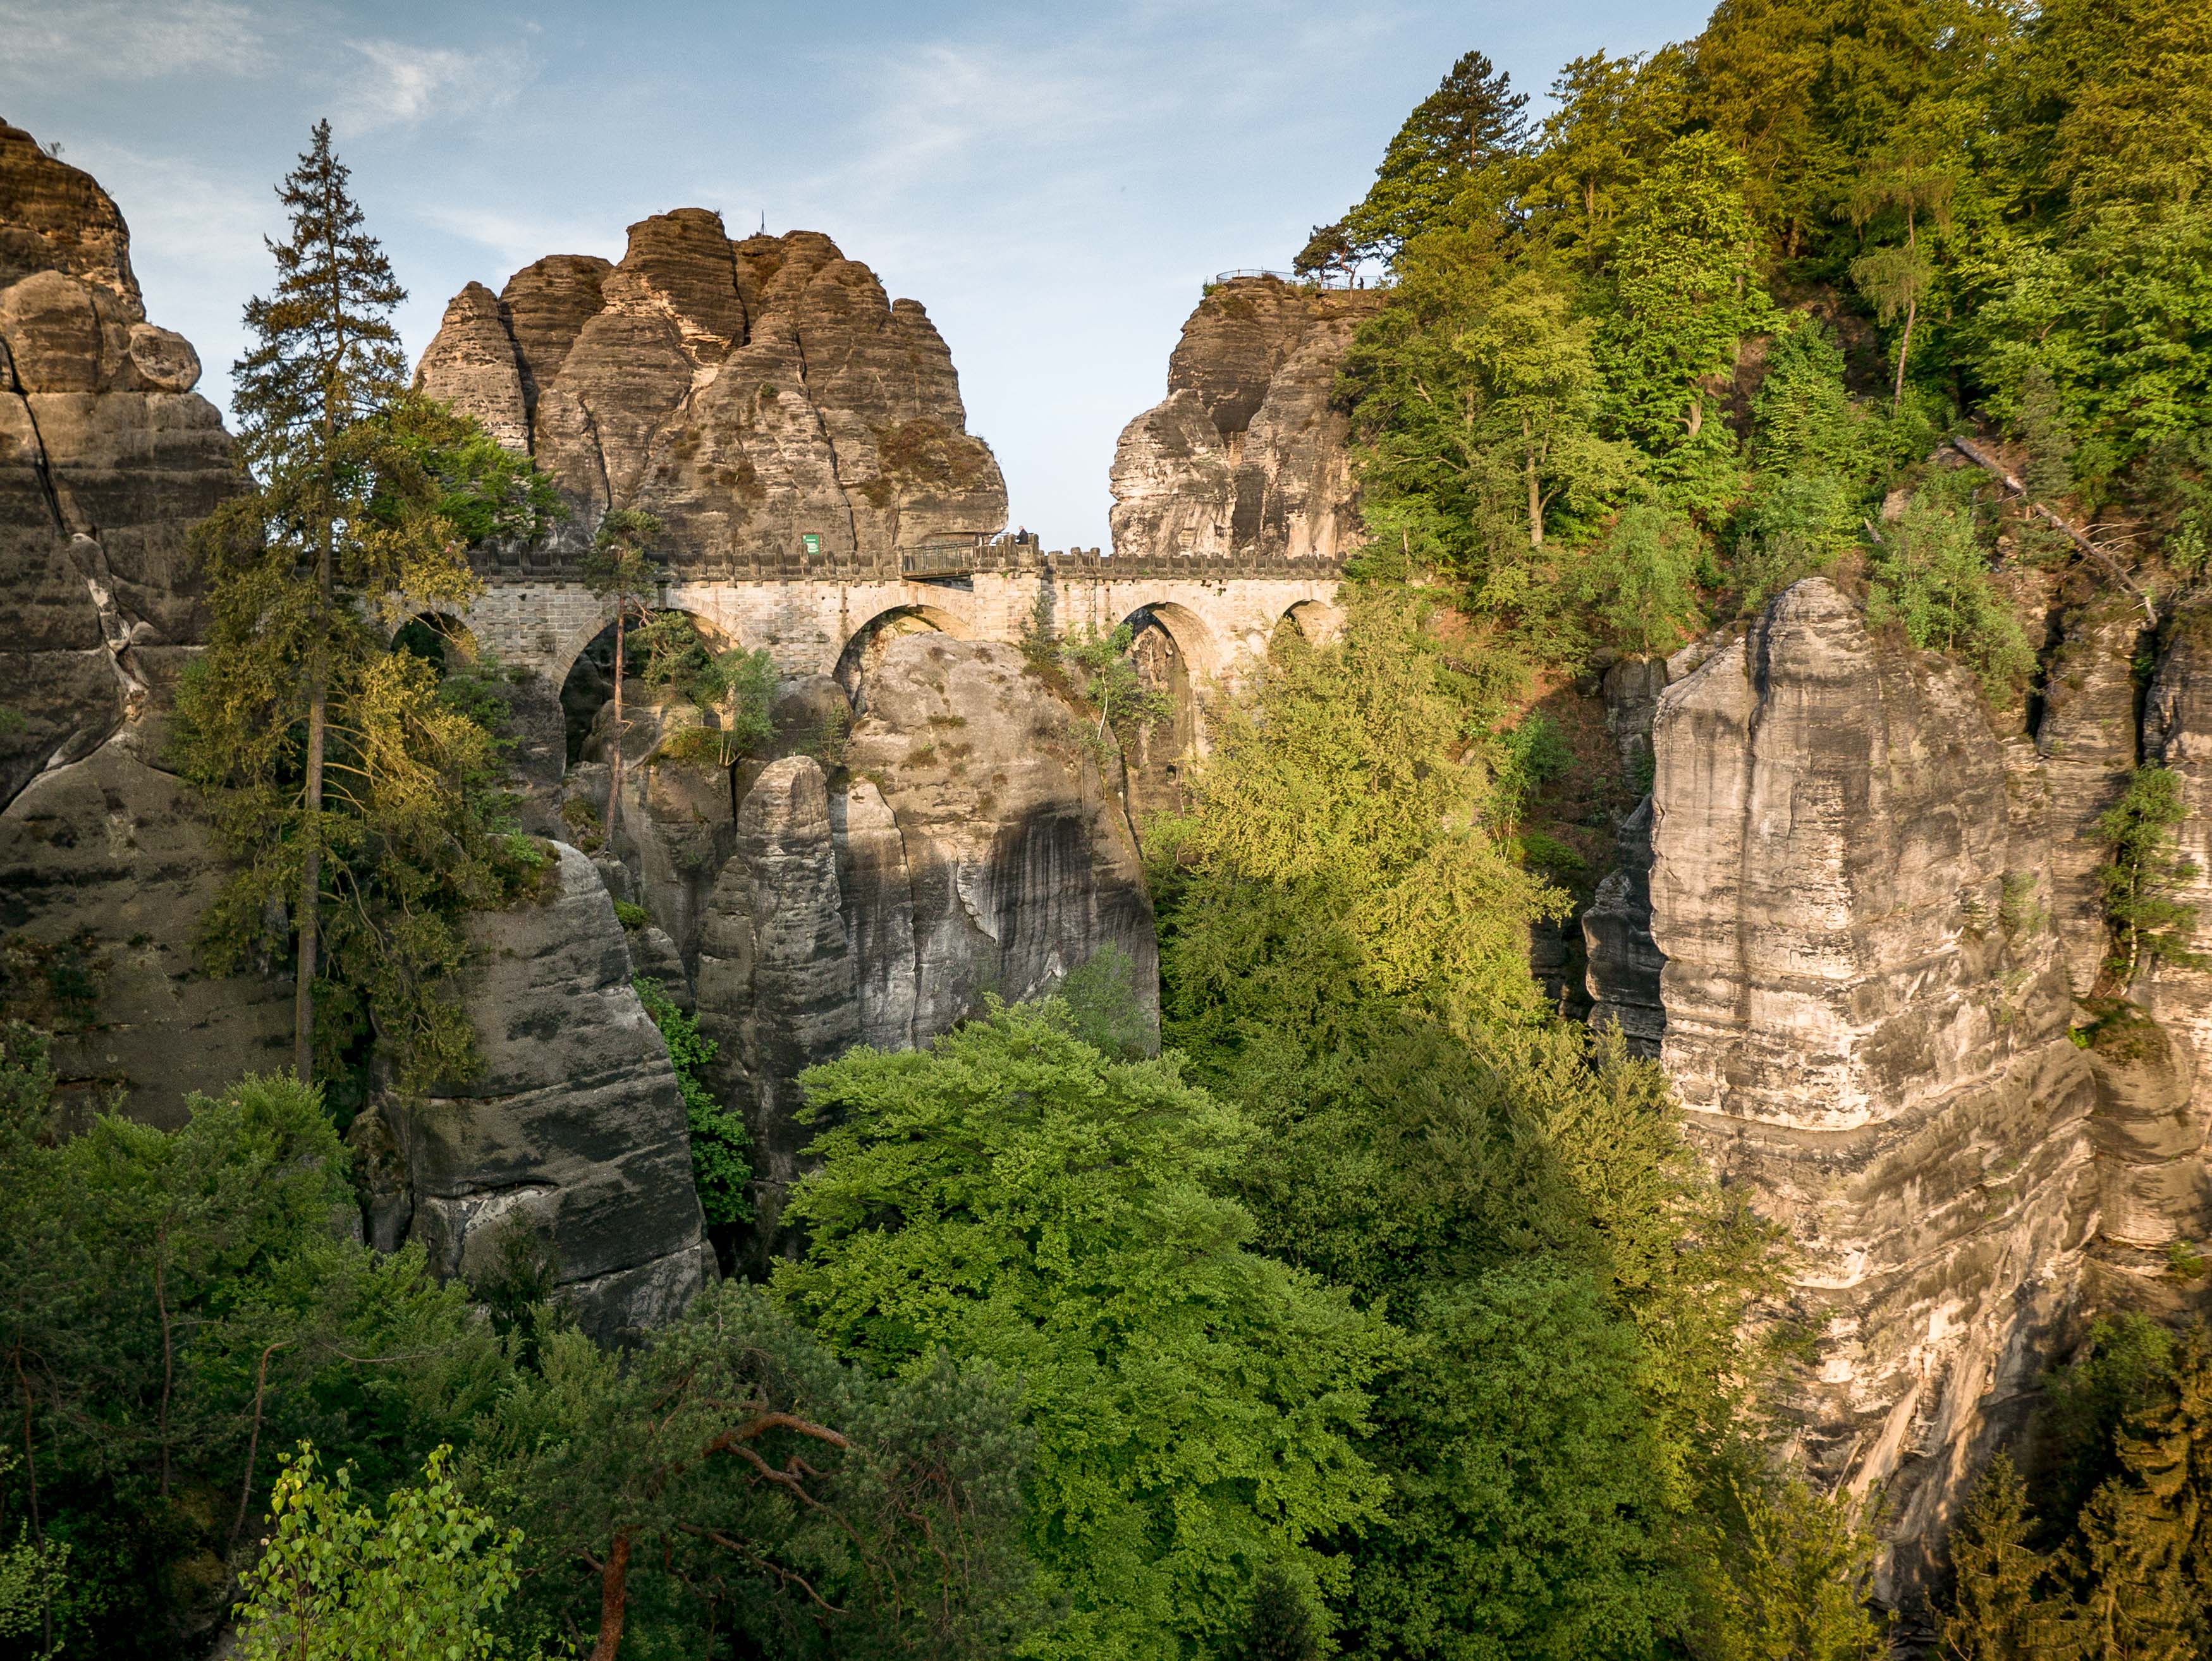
{"x": 1219, "y": 611}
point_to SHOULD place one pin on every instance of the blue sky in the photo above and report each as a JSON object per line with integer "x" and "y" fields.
{"x": 1053, "y": 182}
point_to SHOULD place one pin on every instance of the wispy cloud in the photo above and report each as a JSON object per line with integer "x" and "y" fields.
{"x": 397, "y": 84}
{"x": 130, "y": 39}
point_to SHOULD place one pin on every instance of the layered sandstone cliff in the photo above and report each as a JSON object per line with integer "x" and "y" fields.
{"x": 107, "y": 457}
{"x": 1246, "y": 455}
{"x": 1861, "y": 1023}
{"x": 1854, "y": 920}
{"x": 750, "y": 393}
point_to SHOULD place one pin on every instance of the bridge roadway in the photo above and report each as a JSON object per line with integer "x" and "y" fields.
{"x": 1220, "y": 610}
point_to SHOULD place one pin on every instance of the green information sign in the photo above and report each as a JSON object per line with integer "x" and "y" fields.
{"x": 812, "y": 542}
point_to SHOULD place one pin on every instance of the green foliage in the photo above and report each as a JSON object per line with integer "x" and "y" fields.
{"x": 1013, "y": 1196}
{"x": 632, "y": 916}
{"x": 178, "y": 1304}
{"x": 331, "y": 766}
{"x": 1612, "y": 119}
{"x": 1995, "y": 1614}
{"x": 1278, "y": 1625}
{"x": 731, "y": 1476}
{"x": 2118, "y": 318}
{"x": 1332, "y": 856}
{"x": 1104, "y": 678}
{"x": 1105, "y": 1008}
{"x": 1929, "y": 576}
{"x": 1528, "y": 756}
{"x": 736, "y": 688}
{"x": 1640, "y": 582}
{"x": 2143, "y": 872}
{"x": 1476, "y": 405}
{"x": 721, "y": 1147}
{"x": 620, "y": 567}
{"x": 1465, "y": 128}
{"x": 336, "y": 1582}
{"x": 2127, "y": 1433}
{"x": 1795, "y": 1583}
{"x": 1681, "y": 291}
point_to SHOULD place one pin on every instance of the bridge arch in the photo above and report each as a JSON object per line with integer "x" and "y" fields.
{"x": 868, "y": 643}
{"x": 587, "y": 669}
{"x": 436, "y": 634}
{"x": 1194, "y": 638}
{"x": 1175, "y": 654}
{"x": 1317, "y": 620}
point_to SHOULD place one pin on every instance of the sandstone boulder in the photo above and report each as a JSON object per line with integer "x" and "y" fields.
{"x": 574, "y": 1131}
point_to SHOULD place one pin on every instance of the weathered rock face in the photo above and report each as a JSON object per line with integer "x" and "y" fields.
{"x": 966, "y": 848}
{"x": 107, "y": 460}
{"x": 107, "y": 457}
{"x": 2087, "y": 742}
{"x": 1247, "y": 453}
{"x": 776, "y": 982}
{"x": 573, "y": 1132}
{"x": 746, "y": 392}
{"x": 105, "y": 872}
{"x": 978, "y": 814}
{"x": 1858, "y": 1022}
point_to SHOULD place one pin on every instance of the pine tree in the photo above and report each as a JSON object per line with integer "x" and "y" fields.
{"x": 1996, "y": 1613}
{"x": 328, "y": 352}
{"x": 1472, "y": 121}
{"x": 1277, "y": 1625}
{"x": 360, "y": 800}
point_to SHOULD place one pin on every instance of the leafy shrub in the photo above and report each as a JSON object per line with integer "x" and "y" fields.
{"x": 721, "y": 1147}
{"x": 2145, "y": 870}
{"x": 1641, "y": 581}
{"x": 1929, "y": 576}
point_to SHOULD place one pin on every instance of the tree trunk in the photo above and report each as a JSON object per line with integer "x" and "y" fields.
{"x": 169, "y": 1346}
{"x": 1535, "y": 491}
{"x": 311, "y": 883}
{"x": 614, "y": 1593}
{"x": 1904, "y": 346}
{"x": 615, "y": 766}
{"x": 31, "y": 1473}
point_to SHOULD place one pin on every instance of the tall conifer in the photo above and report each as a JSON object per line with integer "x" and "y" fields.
{"x": 326, "y": 353}
{"x": 361, "y": 801}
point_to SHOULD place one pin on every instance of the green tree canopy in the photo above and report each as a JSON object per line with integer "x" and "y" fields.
{"x": 1473, "y": 123}
{"x": 1013, "y": 1196}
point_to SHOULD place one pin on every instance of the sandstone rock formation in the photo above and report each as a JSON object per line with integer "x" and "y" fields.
{"x": 107, "y": 457}
{"x": 1859, "y": 1024}
{"x": 1247, "y": 453}
{"x": 104, "y": 871}
{"x": 966, "y": 848}
{"x": 574, "y": 1131}
{"x": 747, "y": 392}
